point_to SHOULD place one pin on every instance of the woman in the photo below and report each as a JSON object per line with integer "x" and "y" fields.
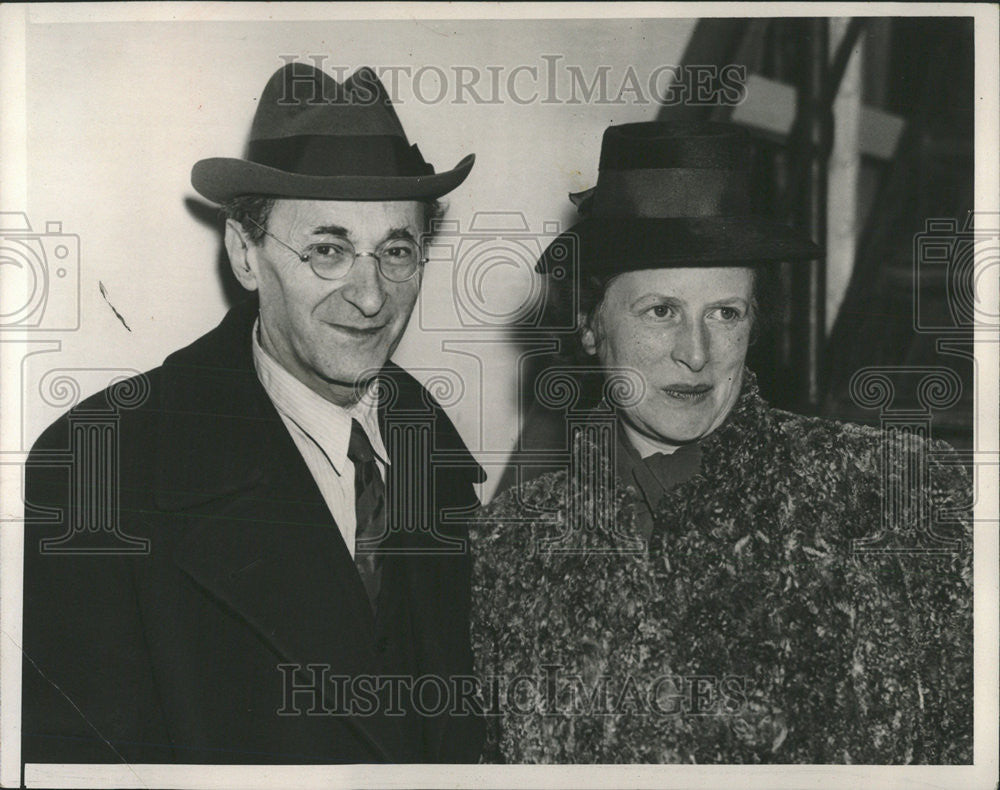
{"x": 695, "y": 586}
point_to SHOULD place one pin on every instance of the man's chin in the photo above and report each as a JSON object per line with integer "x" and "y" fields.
{"x": 358, "y": 379}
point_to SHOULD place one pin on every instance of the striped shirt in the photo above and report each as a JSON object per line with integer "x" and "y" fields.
{"x": 322, "y": 430}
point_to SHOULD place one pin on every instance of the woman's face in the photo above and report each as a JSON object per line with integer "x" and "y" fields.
{"x": 685, "y": 332}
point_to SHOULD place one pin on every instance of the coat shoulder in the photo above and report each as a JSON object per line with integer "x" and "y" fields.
{"x": 818, "y": 437}
{"x": 405, "y": 397}
{"x": 513, "y": 515}
{"x": 129, "y": 400}
{"x": 406, "y": 393}
{"x": 860, "y": 455}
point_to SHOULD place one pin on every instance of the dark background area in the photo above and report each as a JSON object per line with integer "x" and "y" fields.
{"x": 921, "y": 70}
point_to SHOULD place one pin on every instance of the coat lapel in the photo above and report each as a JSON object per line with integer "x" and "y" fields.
{"x": 437, "y": 584}
{"x": 259, "y": 537}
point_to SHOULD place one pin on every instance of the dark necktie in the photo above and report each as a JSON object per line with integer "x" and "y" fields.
{"x": 369, "y": 505}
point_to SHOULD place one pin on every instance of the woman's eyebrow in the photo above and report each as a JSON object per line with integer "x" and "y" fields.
{"x": 657, "y": 297}
{"x": 728, "y": 300}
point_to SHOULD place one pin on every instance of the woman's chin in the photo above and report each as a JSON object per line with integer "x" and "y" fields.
{"x": 674, "y": 428}
{"x": 673, "y": 432}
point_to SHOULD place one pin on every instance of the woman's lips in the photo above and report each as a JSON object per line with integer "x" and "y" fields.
{"x": 686, "y": 393}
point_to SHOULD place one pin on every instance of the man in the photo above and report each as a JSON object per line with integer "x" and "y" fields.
{"x": 272, "y": 564}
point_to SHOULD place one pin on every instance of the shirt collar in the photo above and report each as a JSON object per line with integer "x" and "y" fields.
{"x": 326, "y": 423}
{"x": 644, "y": 445}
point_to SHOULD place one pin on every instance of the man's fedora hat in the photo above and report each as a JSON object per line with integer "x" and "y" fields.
{"x": 672, "y": 195}
{"x": 313, "y": 137}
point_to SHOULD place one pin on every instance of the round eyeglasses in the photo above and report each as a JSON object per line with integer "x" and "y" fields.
{"x": 397, "y": 259}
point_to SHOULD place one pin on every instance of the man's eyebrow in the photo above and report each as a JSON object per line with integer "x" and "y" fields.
{"x": 330, "y": 230}
{"x": 402, "y": 232}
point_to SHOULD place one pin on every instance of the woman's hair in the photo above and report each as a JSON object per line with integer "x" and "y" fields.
{"x": 250, "y": 209}
{"x": 569, "y": 303}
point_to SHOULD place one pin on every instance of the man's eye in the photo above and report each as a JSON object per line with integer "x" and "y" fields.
{"x": 729, "y": 314}
{"x": 329, "y": 250}
{"x": 398, "y": 253}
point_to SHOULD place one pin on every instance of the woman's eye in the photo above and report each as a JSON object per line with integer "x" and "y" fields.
{"x": 729, "y": 314}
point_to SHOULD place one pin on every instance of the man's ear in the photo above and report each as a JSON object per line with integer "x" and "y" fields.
{"x": 238, "y": 249}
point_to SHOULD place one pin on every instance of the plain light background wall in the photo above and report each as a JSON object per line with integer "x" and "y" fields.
{"x": 119, "y": 112}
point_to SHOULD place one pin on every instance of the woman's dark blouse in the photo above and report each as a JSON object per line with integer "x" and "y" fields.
{"x": 808, "y": 650}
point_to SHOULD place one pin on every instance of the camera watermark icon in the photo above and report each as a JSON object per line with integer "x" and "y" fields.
{"x": 491, "y": 266}
{"x": 950, "y": 266}
{"x": 41, "y": 273}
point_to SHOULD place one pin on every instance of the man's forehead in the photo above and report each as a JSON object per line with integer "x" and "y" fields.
{"x": 351, "y": 215}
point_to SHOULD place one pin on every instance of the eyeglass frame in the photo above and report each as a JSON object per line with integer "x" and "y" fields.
{"x": 305, "y": 258}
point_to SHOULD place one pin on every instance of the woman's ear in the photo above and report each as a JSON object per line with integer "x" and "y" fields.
{"x": 588, "y": 335}
{"x": 238, "y": 249}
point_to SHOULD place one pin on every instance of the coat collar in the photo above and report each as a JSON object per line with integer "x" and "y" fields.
{"x": 228, "y": 464}
{"x": 216, "y": 424}
{"x": 218, "y": 429}
{"x": 747, "y": 430}
{"x": 747, "y": 423}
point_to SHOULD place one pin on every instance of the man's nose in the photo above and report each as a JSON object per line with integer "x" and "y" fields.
{"x": 364, "y": 287}
{"x": 691, "y": 345}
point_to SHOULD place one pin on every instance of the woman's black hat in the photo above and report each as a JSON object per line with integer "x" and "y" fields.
{"x": 672, "y": 195}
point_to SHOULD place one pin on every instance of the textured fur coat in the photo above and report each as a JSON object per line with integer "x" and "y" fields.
{"x": 753, "y": 627}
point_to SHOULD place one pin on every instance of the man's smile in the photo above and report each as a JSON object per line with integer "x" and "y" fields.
{"x": 358, "y": 332}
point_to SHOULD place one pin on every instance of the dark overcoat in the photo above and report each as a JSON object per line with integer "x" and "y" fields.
{"x": 806, "y": 597}
{"x": 186, "y": 587}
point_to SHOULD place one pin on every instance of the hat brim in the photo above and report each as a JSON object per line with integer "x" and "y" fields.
{"x": 221, "y": 179}
{"x": 610, "y": 245}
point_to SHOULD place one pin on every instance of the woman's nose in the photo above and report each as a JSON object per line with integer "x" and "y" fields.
{"x": 364, "y": 287}
{"x": 691, "y": 345}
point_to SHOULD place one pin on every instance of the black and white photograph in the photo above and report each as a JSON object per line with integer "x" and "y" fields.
{"x": 489, "y": 395}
